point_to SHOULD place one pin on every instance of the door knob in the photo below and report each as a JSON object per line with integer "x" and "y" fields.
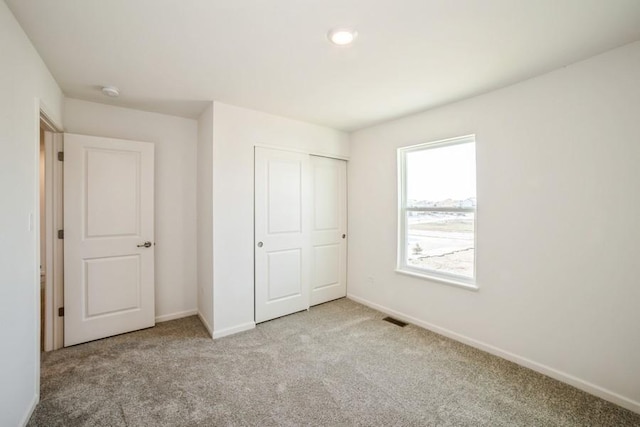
{"x": 145, "y": 245}
{"x": 260, "y": 244}
{"x": 344, "y": 236}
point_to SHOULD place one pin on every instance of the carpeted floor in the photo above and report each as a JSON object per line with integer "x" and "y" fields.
{"x": 337, "y": 364}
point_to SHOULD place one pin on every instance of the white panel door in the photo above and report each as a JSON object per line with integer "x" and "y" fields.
{"x": 328, "y": 229}
{"x": 282, "y": 241}
{"x": 108, "y": 237}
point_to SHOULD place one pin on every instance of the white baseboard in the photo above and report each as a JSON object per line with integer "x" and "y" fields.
{"x": 578, "y": 383}
{"x": 205, "y": 323}
{"x": 233, "y": 330}
{"x": 177, "y": 315}
{"x": 32, "y": 407}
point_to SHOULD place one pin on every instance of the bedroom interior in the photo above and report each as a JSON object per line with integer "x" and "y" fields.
{"x": 276, "y": 241}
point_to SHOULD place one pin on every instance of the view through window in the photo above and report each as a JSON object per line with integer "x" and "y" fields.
{"x": 437, "y": 208}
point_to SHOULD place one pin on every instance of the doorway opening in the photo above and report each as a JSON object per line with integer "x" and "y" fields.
{"x": 51, "y": 249}
{"x": 43, "y": 233}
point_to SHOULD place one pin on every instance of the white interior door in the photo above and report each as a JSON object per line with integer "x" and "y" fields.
{"x": 108, "y": 217}
{"x": 328, "y": 229}
{"x": 282, "y": 241}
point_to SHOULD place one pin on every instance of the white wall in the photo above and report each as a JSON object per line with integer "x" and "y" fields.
{"x": 235, "y": 133}
{"x": 205, "y": 217}
{"x": 175, "y": 139}
{"x": 24, "y": 80}
{"x": 557, "y": 226}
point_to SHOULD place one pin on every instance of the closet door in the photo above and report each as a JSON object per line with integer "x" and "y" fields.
{"x": 329, "y": 229}
{"x": 282, "y": 233}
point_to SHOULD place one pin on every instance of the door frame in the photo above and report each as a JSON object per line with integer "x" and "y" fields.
{"x": 299, "y": 150}
{"x": 53, "y": 262}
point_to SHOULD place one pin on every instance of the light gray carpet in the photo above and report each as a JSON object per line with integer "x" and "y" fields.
{"x": 337, "y": 364}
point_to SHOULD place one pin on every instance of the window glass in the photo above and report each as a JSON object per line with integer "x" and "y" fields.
{"x": 441, "y": 176}
{"x": 437, "y": 209}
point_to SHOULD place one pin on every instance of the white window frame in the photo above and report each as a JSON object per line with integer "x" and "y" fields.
{"x": 425, "y": 273}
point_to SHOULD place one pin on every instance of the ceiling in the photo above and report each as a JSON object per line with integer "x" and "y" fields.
{"x": 175, "y": 57}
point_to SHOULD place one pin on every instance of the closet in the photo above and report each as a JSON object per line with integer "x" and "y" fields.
{"x": 300, "y": 231}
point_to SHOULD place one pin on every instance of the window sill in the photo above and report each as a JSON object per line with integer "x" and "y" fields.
{"x": 443, "y": 280}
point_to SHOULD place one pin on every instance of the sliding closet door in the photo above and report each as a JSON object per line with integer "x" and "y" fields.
{"x": 282, "y": 233}
{"x": 329, "y": 229}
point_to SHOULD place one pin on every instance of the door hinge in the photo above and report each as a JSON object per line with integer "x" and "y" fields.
{"x": 61, "y": 312}
{"x": 60, "y": 234}
{"x": 61, "y": 156}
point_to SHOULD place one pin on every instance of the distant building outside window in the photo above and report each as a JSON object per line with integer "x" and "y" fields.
{"x": 437, "y": 210}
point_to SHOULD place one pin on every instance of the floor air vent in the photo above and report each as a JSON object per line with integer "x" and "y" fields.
{"x": 395, "y": 321}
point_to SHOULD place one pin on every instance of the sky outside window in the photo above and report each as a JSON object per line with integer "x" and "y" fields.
{"x": 442, "y": 173}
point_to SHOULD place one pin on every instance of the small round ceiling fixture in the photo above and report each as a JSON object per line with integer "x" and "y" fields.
{"x": 111, "y": 91}
{"x": 342, "y": 36}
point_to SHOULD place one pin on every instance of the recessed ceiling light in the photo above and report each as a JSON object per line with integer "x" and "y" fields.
{"x": 111, "y": 91}
{"x": 342, "y": 36}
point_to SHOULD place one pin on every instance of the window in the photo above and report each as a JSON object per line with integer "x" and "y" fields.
{"x": 437, "y": 210}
